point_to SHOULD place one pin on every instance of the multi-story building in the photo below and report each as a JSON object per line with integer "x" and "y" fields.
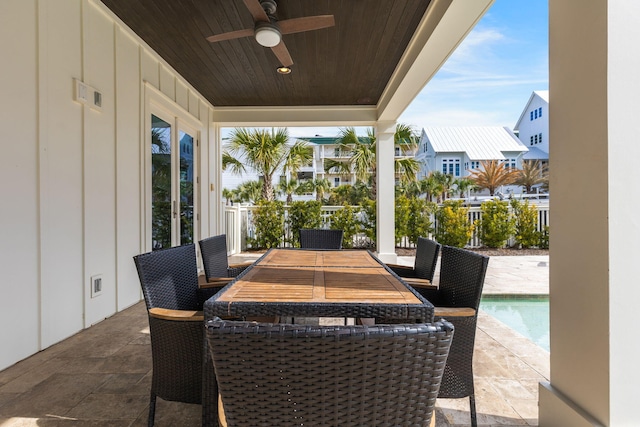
{"x": 533, "y": 127}
{"x": 325, "y": 149}
{"x": 458, "y": 150}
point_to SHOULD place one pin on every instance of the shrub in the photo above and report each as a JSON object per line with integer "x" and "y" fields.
{"x": 453, "y": 226}
{"x": 344, "y": 219}
{"x": 402, "y": 214}
{"x": 303, "y": 215}
{"x": 368, "y": 221}
{"x": 526, "y": 224}
{"x": 268, "y": 218}
{"x": 543, "y": 242}
{"x": 419, "y": 223}
{"x": 496, "y": 225}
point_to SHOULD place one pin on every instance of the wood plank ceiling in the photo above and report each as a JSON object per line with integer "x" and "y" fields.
{"x": 348, "y": 64}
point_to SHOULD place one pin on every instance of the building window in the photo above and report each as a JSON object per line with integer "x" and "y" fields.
{"x": 451, "y": 167}
{"x": 398, "y": 153}
{"x": 540, "y": 112}
{"x": 336, "y": 152}
{"x": 540, "y": 138}
{"x": 531, "y": 117}
{"x": 531, "y": 142}
{"x": 336, "y": 182}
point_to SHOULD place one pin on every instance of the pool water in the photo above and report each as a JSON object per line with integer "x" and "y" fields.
{"x": 528, "y": 316}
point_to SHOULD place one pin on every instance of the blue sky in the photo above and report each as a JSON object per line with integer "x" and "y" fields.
{"x": 489, "y": 78}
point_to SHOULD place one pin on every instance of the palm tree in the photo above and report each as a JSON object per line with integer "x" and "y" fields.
{"x": 250, "y": 191}
{"x": 288, "y": 187}
{"x": 342, "y": 167}
{"x": 445, "y": 183}
{"x": 428, "y": 186}
{"x": 532, "y": 173}
{"x": 267, "y": 152}
{"x": 228, "y": 195}
{"x": 321, "y": 186}
{"x": 493, "y": 174}
{"x": 463, "y": 185}
{"x": 231, "y": 163}
{"x": 363, "y": 155}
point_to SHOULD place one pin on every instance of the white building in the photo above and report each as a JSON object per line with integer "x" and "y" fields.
{"x": 458, "y": 150}
{"x": 324, "y": 148}
{"x": 533, "y": 127}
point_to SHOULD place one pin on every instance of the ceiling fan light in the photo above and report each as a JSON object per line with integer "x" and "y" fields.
{"x": 267, "y": 35}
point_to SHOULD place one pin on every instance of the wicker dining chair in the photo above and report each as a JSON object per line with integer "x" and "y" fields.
{"x": 217, "y": 271}
{"x": 456, "y": 299}
{"x": 319, "y": 238}
{"x": 284, "y": 374}
{"x": 215, "y": 260}
{"x": 421, "y": 274}
{"x": 169, "y": 281}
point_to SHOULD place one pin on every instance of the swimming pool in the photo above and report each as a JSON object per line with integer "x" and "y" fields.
{"x": 527, "y": 315}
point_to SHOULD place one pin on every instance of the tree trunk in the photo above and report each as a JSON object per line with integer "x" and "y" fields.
{"x": 267, "y": 189}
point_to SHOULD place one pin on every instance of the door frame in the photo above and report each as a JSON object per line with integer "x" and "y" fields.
{"x": 158, "y": 104}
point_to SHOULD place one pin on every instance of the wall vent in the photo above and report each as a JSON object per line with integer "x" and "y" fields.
{"x": 96, "y": 285}
{"x": 97, "y": 99}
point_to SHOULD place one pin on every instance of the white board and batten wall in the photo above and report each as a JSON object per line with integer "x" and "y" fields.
{"x": 72, "y": 177}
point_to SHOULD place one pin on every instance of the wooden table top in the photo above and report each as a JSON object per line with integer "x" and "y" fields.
{"x": 319, "y": 283}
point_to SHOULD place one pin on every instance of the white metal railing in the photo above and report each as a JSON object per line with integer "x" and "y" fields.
{"x": 239, "y": 227}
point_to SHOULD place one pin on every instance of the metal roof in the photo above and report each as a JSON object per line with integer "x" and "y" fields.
{"x": 536, "y": 154}
{"x": 480, "y": 143}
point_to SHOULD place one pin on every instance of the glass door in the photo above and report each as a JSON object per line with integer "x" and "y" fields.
{"x": 173, "y": 183}
{"x": 187, "y": 186}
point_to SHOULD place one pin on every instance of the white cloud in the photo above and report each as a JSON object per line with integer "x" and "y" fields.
{"x": 485, "y": 82}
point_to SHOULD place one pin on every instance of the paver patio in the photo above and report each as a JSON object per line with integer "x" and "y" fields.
{"x": 101, "y": 376}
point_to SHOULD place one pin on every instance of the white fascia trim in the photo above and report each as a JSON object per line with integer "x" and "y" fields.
{"x": 295, "y": 116}
{"x": 445, "y": 24}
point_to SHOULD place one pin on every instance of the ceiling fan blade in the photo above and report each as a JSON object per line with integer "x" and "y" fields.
{"x": 256, "y": 10}
{"x": 282, "y": 53}
{"x": 231, "y": 35}
{"x": 307, "y": 23}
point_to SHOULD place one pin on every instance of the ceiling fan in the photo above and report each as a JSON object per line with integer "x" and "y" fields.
{"x": 268, "y": 30}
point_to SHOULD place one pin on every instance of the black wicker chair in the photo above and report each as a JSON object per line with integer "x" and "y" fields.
{"x": 169, "y": 280}
{"x": 284, "y": 375}
{"x": 421, "y": 274}
{"x": 317, "y": 238}
{"x": 218, "y": 273}
{"x": 215, "y": 261}
{"x": 457, "y": 299}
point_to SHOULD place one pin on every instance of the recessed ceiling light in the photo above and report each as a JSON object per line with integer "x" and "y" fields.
{"x": 284, "y": 70}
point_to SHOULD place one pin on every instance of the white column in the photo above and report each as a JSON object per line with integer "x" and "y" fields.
{"x": 594, "y": 170}
{"x": 385, "y": 177}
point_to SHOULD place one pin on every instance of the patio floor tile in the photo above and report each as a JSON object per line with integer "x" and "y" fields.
{"x": 101, "y": 376}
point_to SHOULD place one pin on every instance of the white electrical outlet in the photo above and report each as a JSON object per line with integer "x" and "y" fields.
{"x": 81, "y": 91}
{"x": 96, "y": 285}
